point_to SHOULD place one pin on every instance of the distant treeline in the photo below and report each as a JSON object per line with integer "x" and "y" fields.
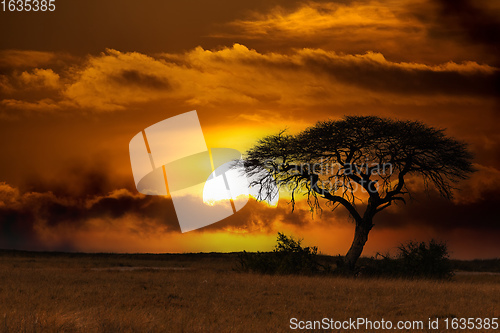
{"x": 477, "y": 265}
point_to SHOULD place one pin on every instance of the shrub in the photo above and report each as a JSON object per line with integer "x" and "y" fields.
{"x": 426, "y": 260}
{"x": 413, "y": 260}
{"x": 288, "y": 257}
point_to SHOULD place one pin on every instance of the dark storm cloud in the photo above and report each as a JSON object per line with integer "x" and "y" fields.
{"x": 467, "y": 20}
{"x": 474, "y": 207}
{"x": 78, "y": 179}
{"x": 394, "y": 78}
{"x": 22, "y": 214}
{"x": 444, "y": 215}
{"x": 426, "y": 210}
{"x": 16, "y": 229}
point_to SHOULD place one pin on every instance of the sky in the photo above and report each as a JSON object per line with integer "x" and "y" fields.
{"x": 78, "y": 83}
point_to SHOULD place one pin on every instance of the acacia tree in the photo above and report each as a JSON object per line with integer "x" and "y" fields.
{"x": 361, "y": 163}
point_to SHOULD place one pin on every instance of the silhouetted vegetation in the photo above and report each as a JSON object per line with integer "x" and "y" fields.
{"x": 413, "y": 260}
{"x": 477, "y": 265}
{"x": 288, "y": 257}
{"x": 223, "y": 261}
{"x": 334, "y": 160}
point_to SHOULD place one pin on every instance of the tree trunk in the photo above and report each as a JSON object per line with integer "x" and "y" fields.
{"x": 360, "y": 238}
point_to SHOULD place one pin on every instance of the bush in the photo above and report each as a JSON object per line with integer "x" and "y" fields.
{"x": 427, "y": 260}
{"x": 413, "y": 260}
{"x": 288, "y": 257}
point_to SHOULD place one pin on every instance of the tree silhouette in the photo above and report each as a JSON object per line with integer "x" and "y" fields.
{"x": 361, "y": 163}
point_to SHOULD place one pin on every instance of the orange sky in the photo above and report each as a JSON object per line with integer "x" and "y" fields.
{"x": 78, "y": 83}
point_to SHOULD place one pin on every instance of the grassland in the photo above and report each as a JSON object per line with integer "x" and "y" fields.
{"x": 203, "y": 293}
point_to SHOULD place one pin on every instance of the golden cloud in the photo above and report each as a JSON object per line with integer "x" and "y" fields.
{"x": 314, "y": 18}
{"x": 40, "y": 78}
{"x": 25, "y": 58}
{"x": 389, "y": 27}
{"x": 238, "y": 75}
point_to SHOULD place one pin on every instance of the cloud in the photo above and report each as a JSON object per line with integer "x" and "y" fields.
{"x": 114, "y": 79}
{"x": 474, "y": 206}
{"x": 24, "y": 216}
{"x": 45, "y": 220}
{"x": 322, "y": 19}
{"x": 388, "y": 27}
{"x": 477, "y": 22}
{"x": 8, "y": 195}
{"x": 45, "y": 78}
{"x": 34, "y": 90}
{"x": 434, "y": 212}
{"x": 482, "y": 184}
{"x": 41, "y": 106}
{"x": 373, "y": 72}
{"x": 304, "y": 78}
{"x": 135, "y": 77}
{"x": 21, "y": 59}
{"x": 66, "y": 213}
{"x": 27, "y": 81}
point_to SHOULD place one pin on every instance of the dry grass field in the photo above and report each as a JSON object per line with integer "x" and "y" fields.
{"x": 203, "y": 293}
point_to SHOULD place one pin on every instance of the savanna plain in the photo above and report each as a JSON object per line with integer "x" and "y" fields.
{"x": 63, "y": 292}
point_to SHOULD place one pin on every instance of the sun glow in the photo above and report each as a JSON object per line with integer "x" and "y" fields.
{"x": 230, "y": 183}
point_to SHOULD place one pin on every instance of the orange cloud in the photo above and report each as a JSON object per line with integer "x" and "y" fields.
{"x": 40, "y": 78}
{"x": 389, "y": 27}
{"x": 330, "y": 19}
{"x": 305, "y": 78}
{"x": 22, "y": 58}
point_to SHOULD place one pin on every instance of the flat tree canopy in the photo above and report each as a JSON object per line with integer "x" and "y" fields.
{"x": 358, "y": 159}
